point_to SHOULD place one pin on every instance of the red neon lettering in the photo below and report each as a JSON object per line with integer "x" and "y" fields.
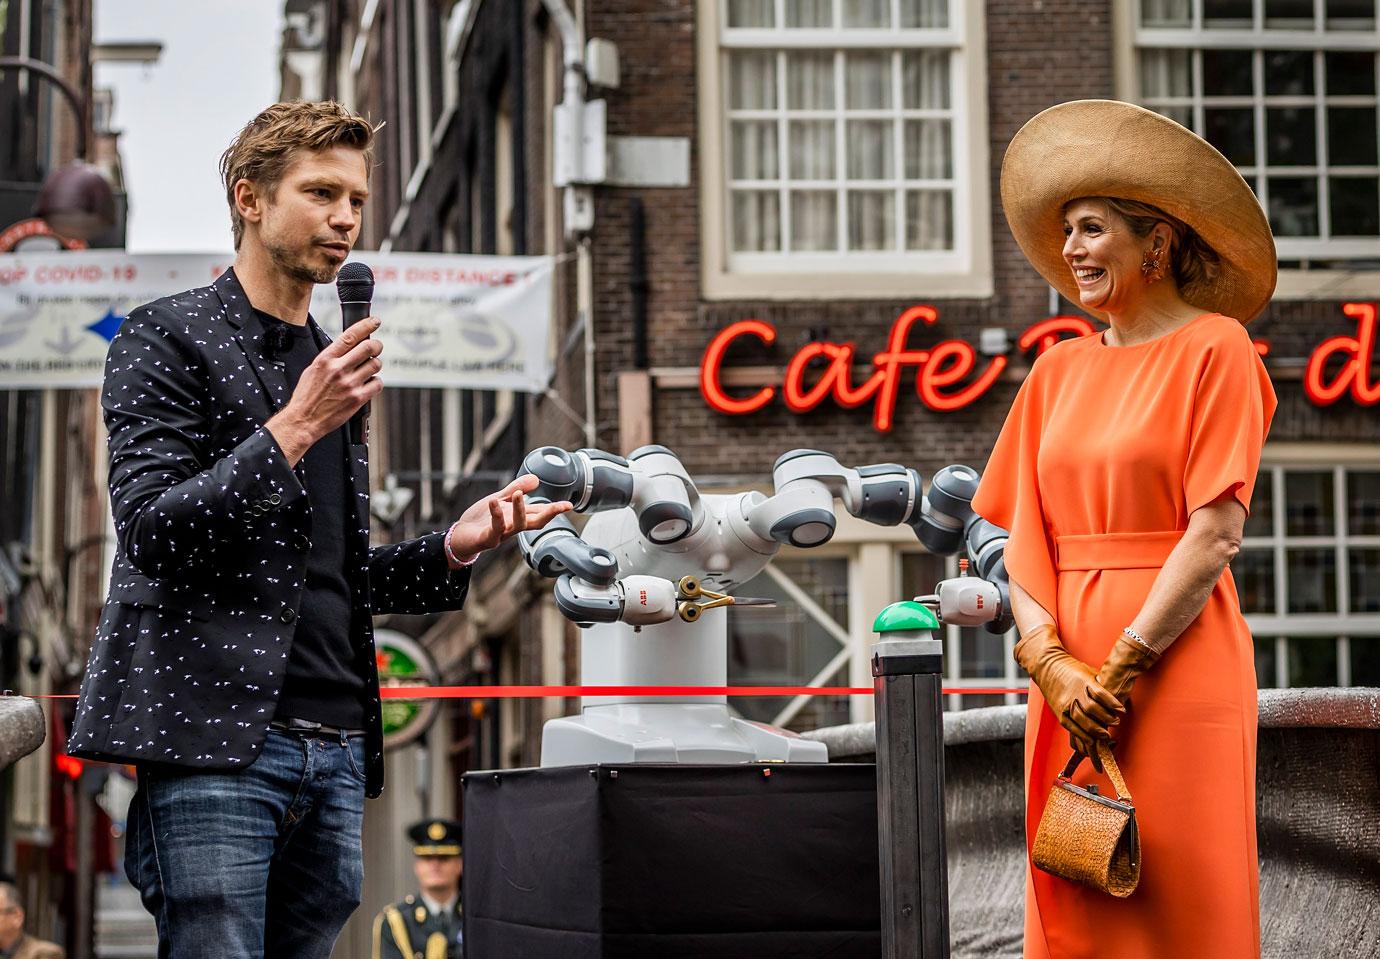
{"x": 940, "y": 368}
{"x": 1355, "y": 374}
{"x": 889, "y": 363}
{"x": 710, "y": 387}
{"x": 1047, "y": 332}
{"x": 836, "y": 380}
{"x": 960, "y": 357}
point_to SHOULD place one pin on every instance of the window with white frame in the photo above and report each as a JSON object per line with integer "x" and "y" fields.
{"x": 1287, "y": 90}
{"x": 1309, "y": 575}
{"x": 844, "y": 131}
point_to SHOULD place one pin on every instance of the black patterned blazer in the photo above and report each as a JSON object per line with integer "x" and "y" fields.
{"x": 213, "y": 531}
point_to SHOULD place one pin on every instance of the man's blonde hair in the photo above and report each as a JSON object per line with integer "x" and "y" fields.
{"x": 267, "y": 146}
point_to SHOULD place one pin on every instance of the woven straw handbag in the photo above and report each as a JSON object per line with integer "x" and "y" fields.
{"x": 1088, "y": 838}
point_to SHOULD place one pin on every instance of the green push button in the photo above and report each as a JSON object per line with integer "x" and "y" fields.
{"x": 907, "y": 615}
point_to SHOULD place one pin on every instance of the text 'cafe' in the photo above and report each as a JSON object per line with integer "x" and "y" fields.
{"x": 950, "y": 375}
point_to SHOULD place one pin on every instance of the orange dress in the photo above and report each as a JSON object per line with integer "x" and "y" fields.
{"x": 1105, "y": 453}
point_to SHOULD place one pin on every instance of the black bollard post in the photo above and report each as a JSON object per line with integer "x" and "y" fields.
{"x": 907, "y": 667}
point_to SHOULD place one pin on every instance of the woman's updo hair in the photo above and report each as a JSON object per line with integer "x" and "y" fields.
{"x": 1191, "y": 260}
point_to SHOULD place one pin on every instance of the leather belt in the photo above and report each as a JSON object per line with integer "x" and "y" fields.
{"x": 1115, "y": 550}
{"x": 312, "y": 730}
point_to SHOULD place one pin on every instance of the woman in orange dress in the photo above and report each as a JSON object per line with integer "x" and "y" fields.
{"x": 1124, "y": 475}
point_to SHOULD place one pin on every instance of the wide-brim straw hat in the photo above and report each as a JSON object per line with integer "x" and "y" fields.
{"x": 1115, "y": 149}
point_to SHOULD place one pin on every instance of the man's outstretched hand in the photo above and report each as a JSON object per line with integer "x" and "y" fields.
{"x": 500, "y": 515}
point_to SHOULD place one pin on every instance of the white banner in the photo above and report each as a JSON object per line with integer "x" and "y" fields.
{"x": 475, "y": 322}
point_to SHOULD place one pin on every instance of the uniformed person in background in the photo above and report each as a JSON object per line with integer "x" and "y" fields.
{"x": 427, "y": 924}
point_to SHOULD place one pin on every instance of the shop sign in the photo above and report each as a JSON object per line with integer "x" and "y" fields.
{"x": 1357, "y": 353}
{"x": 950, "y": 375}
{"x": 404, "y": 663}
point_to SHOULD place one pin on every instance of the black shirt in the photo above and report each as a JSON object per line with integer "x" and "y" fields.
{"x": 323, "y": 681}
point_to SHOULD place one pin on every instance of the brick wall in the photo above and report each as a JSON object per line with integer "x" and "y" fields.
{"x": 1034, "y": 60}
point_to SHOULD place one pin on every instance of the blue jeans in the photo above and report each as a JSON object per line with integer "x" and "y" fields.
{"x": 263, "y": 861}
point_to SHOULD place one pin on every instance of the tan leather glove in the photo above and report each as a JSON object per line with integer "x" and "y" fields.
{"x": 1124, "y": 665}
{"x": 1078, "y": 700}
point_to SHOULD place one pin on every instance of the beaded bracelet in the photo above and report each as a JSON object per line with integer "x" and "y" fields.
{"x": 1137, "y": 637}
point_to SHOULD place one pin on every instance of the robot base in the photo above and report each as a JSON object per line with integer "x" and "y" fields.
{"x": 669, "y": 733}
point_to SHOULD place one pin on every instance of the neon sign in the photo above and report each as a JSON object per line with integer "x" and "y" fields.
{"x": 944, "y": 379}
{"x": 1355, "y": 374}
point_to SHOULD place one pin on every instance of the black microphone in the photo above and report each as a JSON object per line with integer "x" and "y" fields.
{"x": 355, "y": 284}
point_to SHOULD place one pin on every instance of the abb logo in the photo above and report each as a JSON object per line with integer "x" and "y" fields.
{"x": 642, "y": 596}
{"x": 980, "y": 602}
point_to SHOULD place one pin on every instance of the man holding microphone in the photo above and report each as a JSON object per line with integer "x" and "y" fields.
{"x": 234, "y": 662}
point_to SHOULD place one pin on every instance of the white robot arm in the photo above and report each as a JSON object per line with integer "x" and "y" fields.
{"x": 672, "y": 538}
{"x": 652, "y": 569}
{"x": 950, "y": 525}
{"x": 588, "y": 587}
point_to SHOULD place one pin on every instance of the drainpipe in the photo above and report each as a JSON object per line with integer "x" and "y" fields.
{"x": 578, "y": 195}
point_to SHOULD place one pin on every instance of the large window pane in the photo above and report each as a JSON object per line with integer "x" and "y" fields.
{"x": 925, "y": 80}
{"x": 1351, "y": 136}
{"x": 1291, "y": 137}
{"x": 868, "y": 81}
{"x": 753, "y": 152}
{"x": 1350, "y": 14}
{"x": 1166, "y": 73}
{"x": 1363, "y": 572}
{"x": 1289, "y": 14}
{"x": 1355, "y": 206}
{"x": 1227, "y": 73}
{"x": 812, "y": 150}
{"x": 1312, "y": 661}
{"x": 928, "y": 150}
{"x": 1265, "y": 662}
{"x": 924, "y": 14}
{"x": 810, "y": 13}
{"x": 1261, "y": 522}
{"x": 1166, "y": 13}
{"x": 752, "y": 80}
{"x": 1365, "y": 660}
{"x": 1254, "y": 572}
{"x": 809, "y": 81}
{"x": 1289, "y": 72}
{"x": 814, "y": 220}
{"x": 1233, "y": 132}
{"x": 1350, "y": 72}
{"x": 920, "y": 573}
{"x": 751, "y": 13}
{"x": 756, "y": 221}
{"x": 1363, "y": 502}
{"x": 1308, "y": 503}
{"x": 929, "y": 220}
{"x": 871, "y": 220}
{"x": 1294, "y": 206}
{"x": 869, "y": 14}
{"x": 1311, "y": 575}
{"x": 1227, "y": 14}
{"x": 870, "y": 153}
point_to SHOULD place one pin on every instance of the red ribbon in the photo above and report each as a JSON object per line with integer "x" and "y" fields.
{"x": 539, "y": 692}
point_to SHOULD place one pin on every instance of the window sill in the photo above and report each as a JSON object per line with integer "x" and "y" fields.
{"x": 845, "y": 286}
{"x": 1327, "y": 285}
